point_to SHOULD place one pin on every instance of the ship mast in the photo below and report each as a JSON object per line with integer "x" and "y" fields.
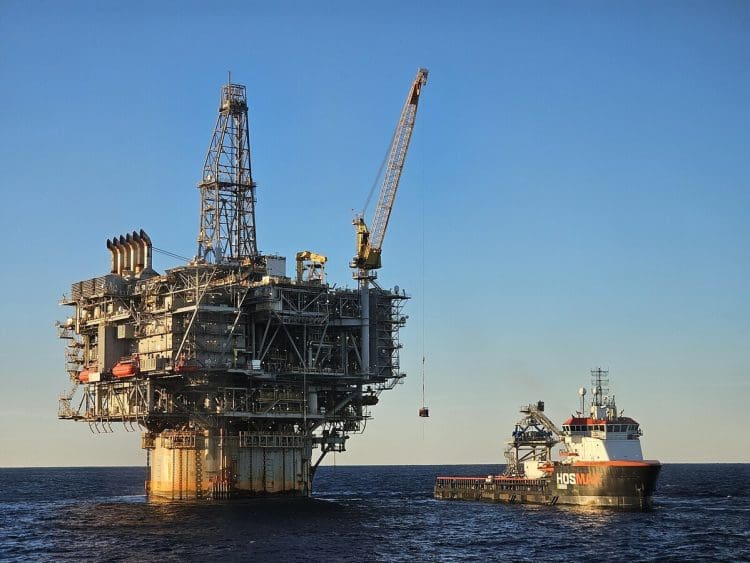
{"x": 602, "y": 404}
{"x": 599, "y": 386}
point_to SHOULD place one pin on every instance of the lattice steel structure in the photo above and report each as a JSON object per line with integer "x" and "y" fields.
{"x": 236, "y": 372}
{"x": 227, "y": 223}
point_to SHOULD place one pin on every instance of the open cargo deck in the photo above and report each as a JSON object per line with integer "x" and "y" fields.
{"x": 495, "y": 489}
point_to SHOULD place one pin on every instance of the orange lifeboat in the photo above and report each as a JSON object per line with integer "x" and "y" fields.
{"x": 126, "y": 367}
{"x": 83, "y": 376}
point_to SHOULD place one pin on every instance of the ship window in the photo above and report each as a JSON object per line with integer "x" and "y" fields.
{"x": 610, "y": 428}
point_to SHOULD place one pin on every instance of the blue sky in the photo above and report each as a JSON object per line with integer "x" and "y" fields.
{"x": 578, "y": 180}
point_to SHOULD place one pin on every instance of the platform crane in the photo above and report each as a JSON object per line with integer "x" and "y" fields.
{"x": 369, "y": 242}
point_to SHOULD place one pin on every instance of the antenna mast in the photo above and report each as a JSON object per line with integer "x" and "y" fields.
{"x": 227, "y": 223}
{"x": 599, "y": 385}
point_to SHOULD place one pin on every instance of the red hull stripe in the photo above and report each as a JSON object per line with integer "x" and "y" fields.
{"x": 485, "y": 477}
{"x": 615, "y": 463}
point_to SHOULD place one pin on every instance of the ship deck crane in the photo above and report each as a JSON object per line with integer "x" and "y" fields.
{"x": 369, "y": 242}
{"x": 533, "y": 439}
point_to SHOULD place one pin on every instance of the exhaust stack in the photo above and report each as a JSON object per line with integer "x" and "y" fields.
{"x": 130, "y": 254}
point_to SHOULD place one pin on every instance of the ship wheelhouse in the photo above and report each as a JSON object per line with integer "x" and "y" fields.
{"x": 621, "y": 427}
{"x": 601, "y": 439}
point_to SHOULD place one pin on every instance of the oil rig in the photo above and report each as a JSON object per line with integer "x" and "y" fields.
{"x": 241, "y": 377}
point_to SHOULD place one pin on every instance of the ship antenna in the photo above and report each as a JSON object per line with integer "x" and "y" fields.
{"x": 599, "y": 379}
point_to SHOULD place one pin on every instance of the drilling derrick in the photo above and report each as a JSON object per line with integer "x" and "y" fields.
{"x": 241, "y": 377}
{"x": 227, "y": 229}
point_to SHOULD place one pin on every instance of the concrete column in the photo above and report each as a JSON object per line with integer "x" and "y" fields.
{"x": 187, "y": 473}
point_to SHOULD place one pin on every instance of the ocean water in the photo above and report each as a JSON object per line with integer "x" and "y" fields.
{"x": 368, "y": 513}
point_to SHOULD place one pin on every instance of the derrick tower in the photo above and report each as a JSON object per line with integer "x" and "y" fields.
{"x": 227, "y": 221}
{"x": 241, "y": 377}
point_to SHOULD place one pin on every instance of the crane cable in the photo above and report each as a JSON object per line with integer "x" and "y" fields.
{"x": 379, "y": 175}
{"x": 424, "y": 323}
{"x": 171, "y": 254}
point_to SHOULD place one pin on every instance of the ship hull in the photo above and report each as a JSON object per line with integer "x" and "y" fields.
{"x": 626, "y": 485}
{"x": 622, "y": 484}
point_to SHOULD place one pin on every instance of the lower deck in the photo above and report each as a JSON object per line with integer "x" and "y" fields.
{"x": 495, "y": 489}
{"x": 545, "y": 490}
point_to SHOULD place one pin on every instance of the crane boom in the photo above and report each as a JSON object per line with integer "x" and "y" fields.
{"x": 370, "y": 242}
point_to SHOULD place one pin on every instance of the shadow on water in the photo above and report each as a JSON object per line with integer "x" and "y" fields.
{"x": 126, "y": 526}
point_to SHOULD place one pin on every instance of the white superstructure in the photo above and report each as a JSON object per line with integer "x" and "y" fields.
{"x": 603, "y": 435}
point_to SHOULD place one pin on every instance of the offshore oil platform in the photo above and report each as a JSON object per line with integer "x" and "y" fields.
{"x": 241, "y": 377}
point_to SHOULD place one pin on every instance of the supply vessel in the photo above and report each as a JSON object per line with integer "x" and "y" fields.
{"x": 600, "y": 460}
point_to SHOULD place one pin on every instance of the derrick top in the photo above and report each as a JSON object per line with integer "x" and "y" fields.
{"x": 233, "y": 98}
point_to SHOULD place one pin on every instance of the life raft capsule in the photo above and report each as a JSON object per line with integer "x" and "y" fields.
{"x": 126, "y": 367}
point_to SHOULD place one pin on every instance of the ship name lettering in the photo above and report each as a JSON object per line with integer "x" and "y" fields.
{"x": 579, "y": 479}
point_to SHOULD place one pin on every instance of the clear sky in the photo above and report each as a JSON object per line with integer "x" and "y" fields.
{"x": 577, "y": 195}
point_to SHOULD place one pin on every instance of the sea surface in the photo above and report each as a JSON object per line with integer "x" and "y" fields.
{"x": 366, "y": 513}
